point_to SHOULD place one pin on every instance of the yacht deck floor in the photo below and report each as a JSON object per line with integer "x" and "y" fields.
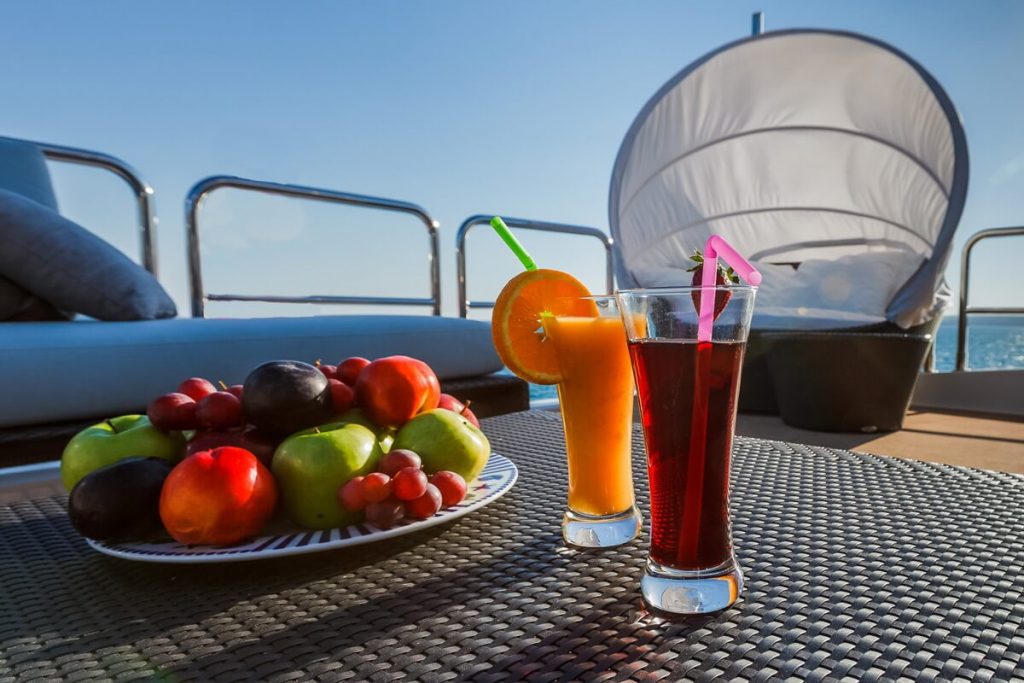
{"x": 985, "y": 442}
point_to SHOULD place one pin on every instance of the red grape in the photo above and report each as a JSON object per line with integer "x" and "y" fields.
{"x": 328, "y": 370}
{"x": 376, "y": 487}
{"x": 426, "y": 505}
{"x": 451, "y": 485}
{"x": 172, "y": 411}
{"x": 398, "y": 459}
{"x": 219, "y": 410}
{"x": 350, "y": 495}
{"x": 384, "y": 514}
{"x": 196, "y": 388}
{"x": 409, "y": 483}
{"x": 235, "y": 389}
{"x": 342, "y": 396}
{"x": 348, "y": 370}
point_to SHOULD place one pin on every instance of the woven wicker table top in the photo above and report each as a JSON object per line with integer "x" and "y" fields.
{"x": 858, "y": 568}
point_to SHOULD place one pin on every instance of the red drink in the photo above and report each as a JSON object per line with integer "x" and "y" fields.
{"x": 687, "y": 396}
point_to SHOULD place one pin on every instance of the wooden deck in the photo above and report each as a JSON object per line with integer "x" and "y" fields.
{"x": 954, "y": 439}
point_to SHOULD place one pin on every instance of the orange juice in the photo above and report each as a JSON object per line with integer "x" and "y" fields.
{"x": 596, "y": 396}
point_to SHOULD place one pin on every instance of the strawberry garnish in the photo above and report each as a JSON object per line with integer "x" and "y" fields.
{"x": 723, "y": 278}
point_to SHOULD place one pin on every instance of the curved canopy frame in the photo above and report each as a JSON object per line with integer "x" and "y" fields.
{"x": 796, "y": 145}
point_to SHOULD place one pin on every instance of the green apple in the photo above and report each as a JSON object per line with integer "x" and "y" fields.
{"x": 114, "y": 439}
{"x": 384, "y": 435}
{"x": 313, "y": 464}
{"x": 445, "y": 440}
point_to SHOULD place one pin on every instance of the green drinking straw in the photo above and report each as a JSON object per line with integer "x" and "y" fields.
{"x": 517, "y": 248}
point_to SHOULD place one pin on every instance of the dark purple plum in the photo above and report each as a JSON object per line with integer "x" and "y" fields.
{"x": 286, "y": 396}
{"x": 120, "y": 502}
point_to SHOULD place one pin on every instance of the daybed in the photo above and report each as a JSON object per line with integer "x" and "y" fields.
{"x": 842, "y": 176}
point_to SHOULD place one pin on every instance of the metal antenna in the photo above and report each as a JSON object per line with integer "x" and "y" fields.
{"x": 757, "y": 24}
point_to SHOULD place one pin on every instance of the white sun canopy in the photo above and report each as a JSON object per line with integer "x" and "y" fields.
{"x": 798, "y": 147}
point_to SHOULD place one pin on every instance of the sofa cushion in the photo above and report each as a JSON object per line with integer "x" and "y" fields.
{"x": 17, "y": 304}
{"x": 23, "y": 171}
{"x": 87, "y": 369}
{"x": 65, "y": 264}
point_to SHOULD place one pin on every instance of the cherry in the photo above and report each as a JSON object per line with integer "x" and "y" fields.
{"x": 398, "y": 459}
{"x": 376, "y": 487}
{"x": 328, "y": 370}
{"x": 426, "y": 505}
{"x": 196, "y": 388}
{"x": 409, "y": 484}
{"x": 385, "y": 514}
{"x": 219, "y": 410}
{"x": 172, "y": 411}
{"x": 350, "y": 495}
{"x": 235, "y": 389}
{"x": 343, "y": 396}
{"x": 348, "y": 370}
{"x": 451, "y": 485}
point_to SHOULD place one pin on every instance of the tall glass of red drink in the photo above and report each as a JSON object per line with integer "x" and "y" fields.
{"x": 688, "y": 391}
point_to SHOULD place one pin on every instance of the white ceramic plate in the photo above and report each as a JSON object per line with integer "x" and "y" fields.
{"x": 497, "y": 478}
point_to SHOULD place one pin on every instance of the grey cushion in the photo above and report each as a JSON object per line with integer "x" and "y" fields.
{"x": 81, "y": 369}
{"x": 17, "y": 303}
{"x": 65, "y": 264}
{"x": 23, "y": 171}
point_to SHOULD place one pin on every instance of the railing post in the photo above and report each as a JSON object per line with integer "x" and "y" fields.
{"x": 201, "y": 189}
{"x": 965, "y": 271}
{"x": 757, "y": 23}
{"x": 144, "y": 196}
{"x": 523, "y": 224}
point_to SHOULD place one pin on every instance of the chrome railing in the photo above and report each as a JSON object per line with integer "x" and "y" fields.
{"x": 965, "y": 272}
{"x": 143, "y": 192}
{"x": 523, "y": 224}
{"x": 204, "y": 187}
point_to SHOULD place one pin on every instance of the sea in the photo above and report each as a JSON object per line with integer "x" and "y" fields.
{"x": 994, "y": 342}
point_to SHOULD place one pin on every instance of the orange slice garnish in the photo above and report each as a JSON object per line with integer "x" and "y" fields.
{"x": 516, "y": 325}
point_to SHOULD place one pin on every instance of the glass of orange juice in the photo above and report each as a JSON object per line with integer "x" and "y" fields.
{"x": 595, "y": 394}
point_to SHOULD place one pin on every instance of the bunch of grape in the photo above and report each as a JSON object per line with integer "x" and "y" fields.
{"x": 400, "y": 488}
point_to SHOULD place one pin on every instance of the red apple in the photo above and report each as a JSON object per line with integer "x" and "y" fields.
{"x": 219, "y": 410}
{"x": 217, "y": 497}
{"x": 172, "y": 411}
{"x": 342, "y": 396}
{"x": 258, "y": 443}
{"x": 449, "y": 402}
{"x": 196, "y": 388}
{"x": 393, "y": 390}
{"x": 348, "y": 370}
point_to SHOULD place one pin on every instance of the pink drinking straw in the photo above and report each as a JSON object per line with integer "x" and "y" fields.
{"x": 716, "y": 245}
{"x": 692, "y": 506}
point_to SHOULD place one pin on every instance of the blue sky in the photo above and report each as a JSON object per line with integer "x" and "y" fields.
{"x": 463, "y": 107}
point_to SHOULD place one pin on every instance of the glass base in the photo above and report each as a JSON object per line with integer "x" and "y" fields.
{"x": 677, "y": 593}
{"x": 607, "y": 531}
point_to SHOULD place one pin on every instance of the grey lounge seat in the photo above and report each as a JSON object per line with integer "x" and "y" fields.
{"x": 55, "y": 375}
{"x": 58, "y": 371}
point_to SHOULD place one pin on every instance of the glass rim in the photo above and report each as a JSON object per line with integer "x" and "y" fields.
{"x": 588, "y": 297}
{"x": 686, "y": 289}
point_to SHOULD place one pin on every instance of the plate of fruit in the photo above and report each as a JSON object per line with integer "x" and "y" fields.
{"x": 298, "y": 459}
